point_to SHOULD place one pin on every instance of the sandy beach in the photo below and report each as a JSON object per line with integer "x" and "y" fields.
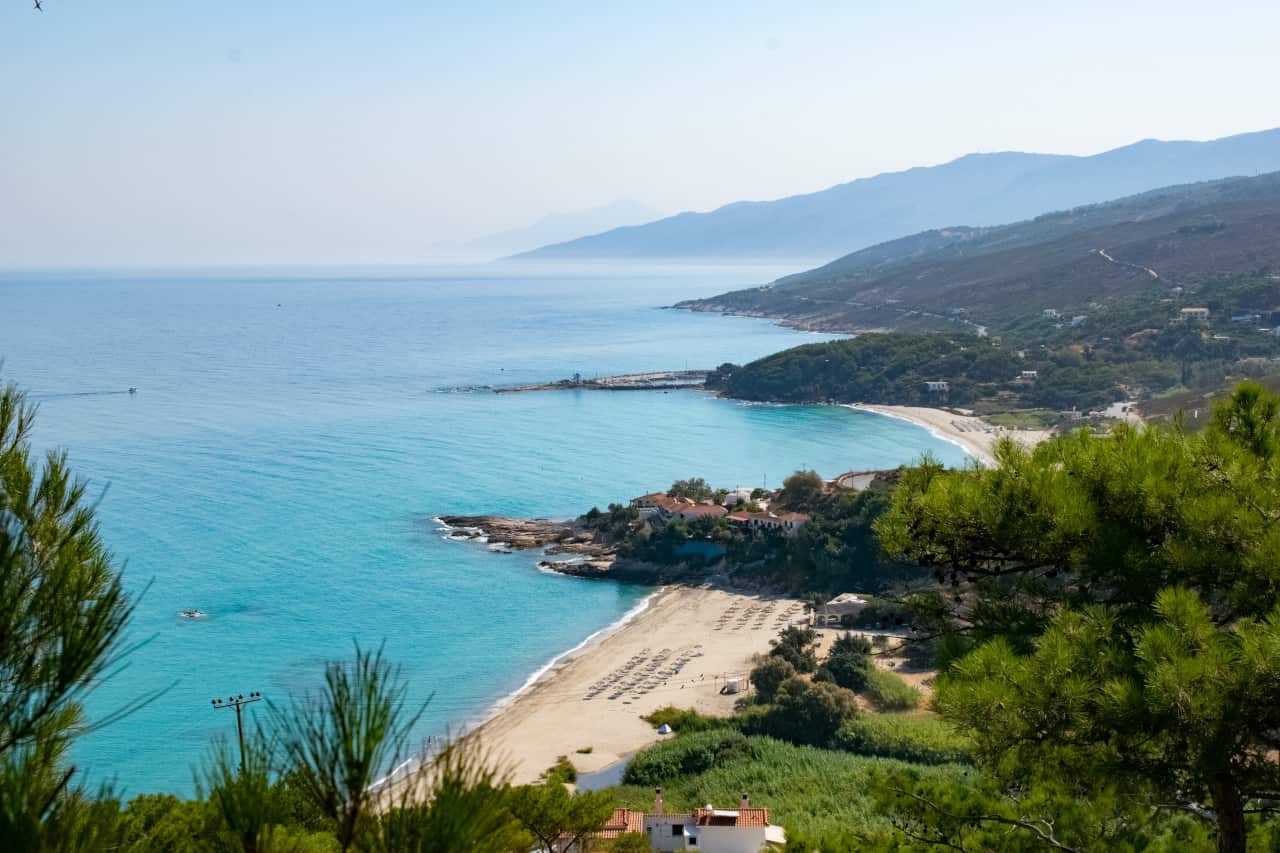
{"x": 678, "y": 651}
{"x": 973, "y": 435}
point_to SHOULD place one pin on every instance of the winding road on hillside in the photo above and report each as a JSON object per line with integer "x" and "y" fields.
{"x": 1148, "y": 270}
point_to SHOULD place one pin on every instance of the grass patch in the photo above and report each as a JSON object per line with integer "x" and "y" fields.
{"x": 806, "y": 789}
{"x": 687, "y": 755}
{"x": 919, "y": 738}
{"x": 1023, "y": 419}
{"x": 686, "y": 720}
{"x": 889, "y": 692}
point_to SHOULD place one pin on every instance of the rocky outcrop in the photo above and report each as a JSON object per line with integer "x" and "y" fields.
{"x": 520, "y": 534}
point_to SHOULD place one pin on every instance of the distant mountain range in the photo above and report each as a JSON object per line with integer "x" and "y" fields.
{"x": 1182, "y": 235}
{"x": 975, "y": 190}
{"x": 549, "y": 229}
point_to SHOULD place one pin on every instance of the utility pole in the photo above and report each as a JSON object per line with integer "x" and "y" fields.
{"x": 238, "y": 702}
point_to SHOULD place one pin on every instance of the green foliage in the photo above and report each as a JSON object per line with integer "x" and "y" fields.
{"x": 240, "y": 791}
{"x": 695, "y": 489}
{"x": 837, "y": 550}
{"x": 803, "y": 713}
{"x": 685, "y": 720}
{"x": 62, "y": 612}
{"x": 339, "y": 741}
{"x": 806, "y": 789}
{"x": 686, "y": 755}
{"x": 802, "y": 491}
{"x": 918, "y": 738}
{"x": 848, "y": 663}
{"x": 562, "y": 771}
{"x": 457, "y": 801}
{"x": 630, "y": 842}
{"x": 769, "y": 674}
{"x": 977, "y": 814}
{"x": 165, "y": 824}
{"x": 873, "y": 368}
{"x": 549, "y": 812}
{"x": 795, "y": 646}
{"x": 889, "y": 692}
{"x": 1121, "y": 599}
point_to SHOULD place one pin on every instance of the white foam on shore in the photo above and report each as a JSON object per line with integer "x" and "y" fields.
{"x": 561, "y": 659}
{"x": 406, "y": 767}
{"x": 968, "y": 449}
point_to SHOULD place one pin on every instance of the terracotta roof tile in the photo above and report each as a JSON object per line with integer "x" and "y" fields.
{"x": 731, "y": 817}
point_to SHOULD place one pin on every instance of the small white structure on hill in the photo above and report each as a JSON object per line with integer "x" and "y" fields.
{"x": 834, "y": 612}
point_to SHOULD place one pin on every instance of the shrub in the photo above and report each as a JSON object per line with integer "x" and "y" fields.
{"x": 768, "y": 675}
{"x": 803, "y": 713}
{"x": 686, "y": 755}
{"x": 685, "y": 720}
{"x": 795, "y": 646}
{"x": 848, "y": 664}
{"x": 630, "y": 842}
{"x": 888, "y": 692}
{"x": 918, "y": 738}
{"x": 562, "y": 771}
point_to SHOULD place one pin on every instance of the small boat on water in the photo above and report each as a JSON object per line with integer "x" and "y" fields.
{"x": 192, "y": 614}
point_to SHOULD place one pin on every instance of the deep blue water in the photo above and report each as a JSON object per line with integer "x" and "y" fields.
{"x": 289, "y": 445}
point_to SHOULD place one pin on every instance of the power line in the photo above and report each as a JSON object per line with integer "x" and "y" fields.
{"x": 238, "y": 702}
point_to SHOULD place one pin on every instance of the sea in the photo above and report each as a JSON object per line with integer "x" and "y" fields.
{"x": 295, "y": 433}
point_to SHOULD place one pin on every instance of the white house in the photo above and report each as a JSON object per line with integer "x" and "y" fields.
{"x": 741, "y": 830}
{"x": 937, "y": 386}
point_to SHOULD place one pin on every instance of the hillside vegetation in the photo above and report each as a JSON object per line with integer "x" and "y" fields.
{"x": 1091, "y": 301}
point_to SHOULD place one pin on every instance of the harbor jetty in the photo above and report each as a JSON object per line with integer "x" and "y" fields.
{"x": 662, "y": 380}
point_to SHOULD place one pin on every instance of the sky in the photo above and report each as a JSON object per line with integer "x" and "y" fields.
{"x": 190, "y": 132}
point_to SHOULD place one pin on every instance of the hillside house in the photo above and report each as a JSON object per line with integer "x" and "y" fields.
{"x": 786, "y": 522}
{"x": 1029, "y": 375}
{"x": 1194, "y": 315}
{"x": 740, "y": 830}
{"x": 937, "y": 386}
{"x": 1079, "y": 319}
{"x": 687, "y": 510}
{"x": 1051, "y": 313}
{"x": 646, "y": 506}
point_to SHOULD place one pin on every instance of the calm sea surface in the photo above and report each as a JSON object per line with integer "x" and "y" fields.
{"x": 290, "y": 443}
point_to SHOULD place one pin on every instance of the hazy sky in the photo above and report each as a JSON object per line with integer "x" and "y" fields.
{"x": 161, "y": 132}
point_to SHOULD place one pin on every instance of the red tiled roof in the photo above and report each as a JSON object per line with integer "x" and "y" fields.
{"x": 687, "y": 507}
{"x": 731, "y": 817}
{"x": 702, "y": 509}
{"x": 622, "y": 820}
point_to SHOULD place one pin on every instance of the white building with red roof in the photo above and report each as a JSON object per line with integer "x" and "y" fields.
{"x": 783, "y": 522}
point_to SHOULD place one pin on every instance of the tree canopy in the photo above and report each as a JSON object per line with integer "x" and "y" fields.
{"x": 1110, "y": 607}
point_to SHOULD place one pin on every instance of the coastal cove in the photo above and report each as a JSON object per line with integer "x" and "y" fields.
{"x": 291, "y": 443}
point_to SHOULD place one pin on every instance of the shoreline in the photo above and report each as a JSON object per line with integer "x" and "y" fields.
{"x": 677, "y": 646}
{"x": 972, "y": 434}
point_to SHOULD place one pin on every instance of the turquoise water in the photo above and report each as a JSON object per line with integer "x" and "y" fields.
{"x": 289, "y": 445}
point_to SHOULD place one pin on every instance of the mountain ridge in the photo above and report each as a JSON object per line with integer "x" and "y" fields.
{"x": 977, "y": 189}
